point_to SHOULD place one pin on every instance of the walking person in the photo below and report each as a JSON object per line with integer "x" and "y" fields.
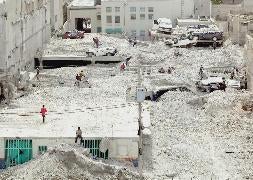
{"x": 37, "y": 73}
{"x": 79, "y": 135}
{"x": 43, "y": 111}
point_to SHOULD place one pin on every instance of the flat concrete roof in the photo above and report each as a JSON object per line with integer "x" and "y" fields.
{"x": 100, "y": 111}
{"x": 83, "y": 3}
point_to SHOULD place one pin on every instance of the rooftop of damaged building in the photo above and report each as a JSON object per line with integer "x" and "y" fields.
{"x": 83, "y": 4}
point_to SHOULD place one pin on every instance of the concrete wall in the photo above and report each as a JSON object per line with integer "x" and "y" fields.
{"x": 248, "y": 5}
{"x": 120, "y": 148}
{"x": 56, "y": 14}
{"x": 2, "y": 146}
{"x": 26, "y": 31}
{"x": 220, "y": 12}
{"x": 84, "y": 13}
{"x": 249, "y": 58}
{"x": 172, "y": 9}
{"x": 3, "y": 54}
{"x": 202, "y": 8}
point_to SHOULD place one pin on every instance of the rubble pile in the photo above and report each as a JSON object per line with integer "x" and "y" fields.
{"x": 67, "y": 162}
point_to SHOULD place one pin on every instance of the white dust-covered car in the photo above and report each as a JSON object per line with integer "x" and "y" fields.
{"x": 163, "y": 25}
{"x": 101, "y": 51}
{"x": 217, "y": 83}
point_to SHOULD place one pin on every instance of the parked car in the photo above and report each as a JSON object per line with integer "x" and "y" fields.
{"x": 73, "y": 35}
{"x": 209, "y": 35}
{"x": 210, "y": 84}
{"x": 102, "y": 51}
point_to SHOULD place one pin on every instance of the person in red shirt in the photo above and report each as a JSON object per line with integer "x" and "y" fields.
{"x": 122, "y": 67}
{"x": 43, "y": 111}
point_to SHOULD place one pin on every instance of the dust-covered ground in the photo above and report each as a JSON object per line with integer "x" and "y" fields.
{"x": 193, "y": 135}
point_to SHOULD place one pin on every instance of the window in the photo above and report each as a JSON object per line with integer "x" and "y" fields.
{"x": 142, "y": 16}
{"x": 108, "y": 9}
{"x": 142, "y": 33}
{"x": 98, "y": 17}
{"x": 99, "y": 29}
{"x": 150, "y": 9}
{"x": 117, "y": 9}
{"x": 108, "y": 19}
{"x": 42, "y": 149}
{"x": 133, "y": 17}
{"x": 117, "y": 19}
{"x": 151, "y": 16}
{"x": 133, "y": 32}
{"x": 132, "y": 9}
{"x": 142, "y": 9}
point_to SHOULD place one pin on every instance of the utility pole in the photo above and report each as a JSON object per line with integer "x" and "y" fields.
{"x": 140, "y": 145}
{"x": 22, "y": 36}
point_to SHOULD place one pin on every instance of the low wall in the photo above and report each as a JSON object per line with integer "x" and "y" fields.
{"x": 119, "y": 148}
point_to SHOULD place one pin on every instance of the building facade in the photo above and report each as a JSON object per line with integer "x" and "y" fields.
{"x": 135, "y": 17}
{"x": 24, "y": 29}
{"x": 82, "y": 14}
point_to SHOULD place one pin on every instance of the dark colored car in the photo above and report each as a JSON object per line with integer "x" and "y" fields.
{"x": 210, "y": 35}
{"x": 73, "y": 35}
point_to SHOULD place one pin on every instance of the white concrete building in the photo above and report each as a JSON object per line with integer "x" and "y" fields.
{"x": 58, "y": 13}
{"x": 24, "y": 27}
{"x": 81, "y": 12}
{"x": 135, "y": 17}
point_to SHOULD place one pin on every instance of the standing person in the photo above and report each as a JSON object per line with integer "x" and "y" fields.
{"x": 127, "y": 60}
{"x": 214, "y": 45}
{"x": 81, "y": 74}
{"x": 135, "y": 42}
{"x": 37, "y": 73}
{"x": 43, "y": 111}
{"x": 78, "y": 79}
{"x": 122, "y": 67}
{"x": 201, "y": 73}
{"x": 79, "y": 135}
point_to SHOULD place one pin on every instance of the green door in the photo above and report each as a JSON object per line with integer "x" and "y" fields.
{"x": 93, "y": 145}
{"x": 17, "y": 151}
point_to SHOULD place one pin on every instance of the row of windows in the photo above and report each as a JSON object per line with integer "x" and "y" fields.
{"x": 132, "y": 17}
{"x": 134, "y": 33}
{"x": 142, "y": 16}
{"x": 131, "y": 9}
{"x": 116, "y": 19}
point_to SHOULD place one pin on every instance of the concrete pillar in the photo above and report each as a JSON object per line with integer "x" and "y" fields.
{"x": 249, "y": 57}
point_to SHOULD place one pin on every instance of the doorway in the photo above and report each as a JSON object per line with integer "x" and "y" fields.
{"x": 17, "y": 151}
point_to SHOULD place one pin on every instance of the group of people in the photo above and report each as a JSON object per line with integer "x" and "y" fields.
{"x": 169, "y": 71}
{"x": 133, "y": 42}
